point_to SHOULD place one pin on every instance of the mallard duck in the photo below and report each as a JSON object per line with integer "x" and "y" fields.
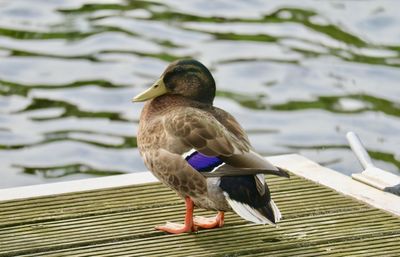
{"x": 201, "y": 151}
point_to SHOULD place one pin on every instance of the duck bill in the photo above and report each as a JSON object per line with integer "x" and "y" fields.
{"x": 157, "y": 89}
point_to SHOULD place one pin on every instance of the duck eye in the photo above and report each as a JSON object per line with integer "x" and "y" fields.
{"x": 155, "y": 86}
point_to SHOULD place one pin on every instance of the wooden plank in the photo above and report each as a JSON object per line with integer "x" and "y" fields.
{"x": 119, "y": 221}
{"x": 303, "y": 167}
{"x": 297, "y": 164}
{"x": 372, "y": 175}
{"x": 127, "y": 224}
{"x": 76, "y": 186}
{"x": 379, "y": 179}
{"x": 310, "y": 214}
{"x": 239, "y": 239}
{"x": 374, "y": 246}
{"x": 140, "y": 197}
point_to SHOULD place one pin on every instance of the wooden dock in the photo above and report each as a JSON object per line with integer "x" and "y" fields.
{"x": 115, "y": 216}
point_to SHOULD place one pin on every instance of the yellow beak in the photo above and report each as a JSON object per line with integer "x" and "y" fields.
{"x": 157, "y": 89}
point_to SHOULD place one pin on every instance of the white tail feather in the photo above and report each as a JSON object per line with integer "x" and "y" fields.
{"x": 260, "y": 183}
{"x": 261, "y": 177}
{"x": 247, "y": 212}
{"x": 277, "y": 213}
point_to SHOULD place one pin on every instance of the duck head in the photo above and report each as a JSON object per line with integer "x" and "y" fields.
{"x": 187, "y": 78}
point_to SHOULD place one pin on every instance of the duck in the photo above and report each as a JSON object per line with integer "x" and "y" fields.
{"x": 201, "y": 152}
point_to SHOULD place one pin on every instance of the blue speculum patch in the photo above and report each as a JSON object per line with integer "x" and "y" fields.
{"x": 203, "y": 163}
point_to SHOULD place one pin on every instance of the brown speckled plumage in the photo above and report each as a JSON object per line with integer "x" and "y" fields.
{"x": 180, "y": 118}
{"x": 166, "y": 126}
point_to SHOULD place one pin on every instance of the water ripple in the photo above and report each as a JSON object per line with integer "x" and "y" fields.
{"x": 297, "y": 75}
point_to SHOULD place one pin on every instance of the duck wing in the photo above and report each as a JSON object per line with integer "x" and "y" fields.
{"x": 217, "y": 133}
{"x": 220, "y": 145}
{"x": 202, "y": 131}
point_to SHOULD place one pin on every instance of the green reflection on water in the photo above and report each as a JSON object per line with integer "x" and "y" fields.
{"x": 386, "y": 157}
{"x": 70, "y": 109}
{"x": 165, "y": 14}
{"x": 248, "y": 101}
{"x": 22, "y": 34}
{"x": 128, "y": 5}
{"x": 128, "y": 142}
{"x": 11, "y": 88}
{"x": 67, "y": 170}
{"x": 330, "y": 103}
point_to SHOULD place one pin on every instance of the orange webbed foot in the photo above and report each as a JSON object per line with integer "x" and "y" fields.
{"x": 215, "y": 222}
{"x": 176, "y": 228}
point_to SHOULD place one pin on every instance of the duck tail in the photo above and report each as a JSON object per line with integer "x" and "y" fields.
{"x": 247, "y": 202}
{"x": 268, "y": 214}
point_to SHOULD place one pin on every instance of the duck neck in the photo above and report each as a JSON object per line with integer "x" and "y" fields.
{"x": 166, "y": 101}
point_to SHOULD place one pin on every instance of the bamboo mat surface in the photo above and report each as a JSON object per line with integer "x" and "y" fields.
{"x": 317, "y": 221}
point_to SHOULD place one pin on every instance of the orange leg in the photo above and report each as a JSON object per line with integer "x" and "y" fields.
{"x": 216, "y": 222}
{"x": 188, "y": 226}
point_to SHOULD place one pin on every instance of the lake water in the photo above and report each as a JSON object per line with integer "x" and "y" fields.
{"x": 296, "y": 74}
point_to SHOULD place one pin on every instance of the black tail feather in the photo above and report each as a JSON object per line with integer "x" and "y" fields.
{"x": 245, "y": 199}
